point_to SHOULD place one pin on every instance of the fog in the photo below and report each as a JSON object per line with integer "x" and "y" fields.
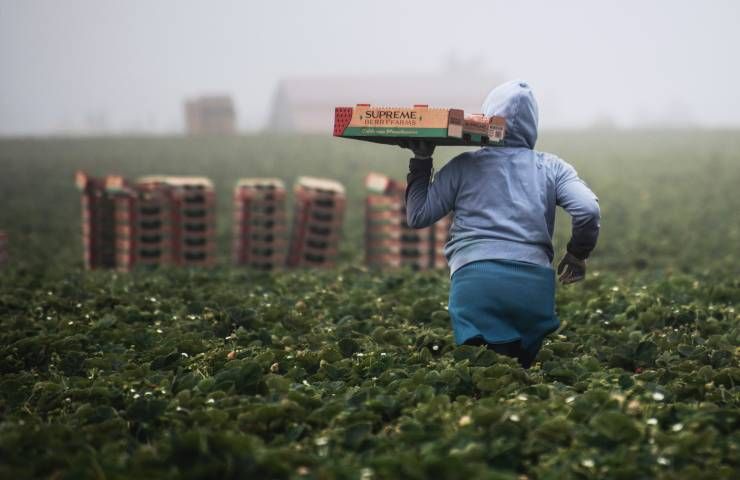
{"x": 109, "y": 66}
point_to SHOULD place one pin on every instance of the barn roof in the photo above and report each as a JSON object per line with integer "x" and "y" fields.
{"x": 219, "y": 101}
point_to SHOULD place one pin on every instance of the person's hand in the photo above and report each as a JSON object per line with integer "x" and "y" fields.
{"x": 571, "y": 269}
{"x": 422, "y": 148}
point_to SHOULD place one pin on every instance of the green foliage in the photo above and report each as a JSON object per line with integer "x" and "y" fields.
{"x": 90, "y": 389}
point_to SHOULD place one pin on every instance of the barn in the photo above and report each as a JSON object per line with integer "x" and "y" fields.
{"x": 210, "y": 115}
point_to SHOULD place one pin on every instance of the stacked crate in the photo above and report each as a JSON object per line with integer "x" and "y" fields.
{"x": 260, "y": 231}
{"x": 416, "y": 246}
{"x": 317, "y": 222}
{"x": 389, "y": 241}
{"x": 156, "y": 221}
{"x": 384, "y": 221}
{"x": 150, "y": 236}
{"x": 124, "y": 204}
{"x": 177, "y": 221}
{"x": 194, "y": 235}
{"x": 98, "y": 223}
{"x": 3, "y": 248}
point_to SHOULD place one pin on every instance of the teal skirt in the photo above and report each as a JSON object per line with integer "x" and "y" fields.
{"x": 503, "y": 301}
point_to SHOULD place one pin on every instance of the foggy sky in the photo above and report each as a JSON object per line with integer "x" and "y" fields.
{"x": 127, "y": 65}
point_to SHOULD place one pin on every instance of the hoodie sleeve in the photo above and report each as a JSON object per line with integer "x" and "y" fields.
{"x": 582, "y": 205}
{"x": 427, "y": 199}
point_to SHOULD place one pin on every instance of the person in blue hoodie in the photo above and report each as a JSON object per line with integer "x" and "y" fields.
{"x": 500, "y": 251}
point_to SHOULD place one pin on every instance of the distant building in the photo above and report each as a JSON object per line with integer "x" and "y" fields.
{"x": 306, "y": 104}
{"x": 211, "y": 115}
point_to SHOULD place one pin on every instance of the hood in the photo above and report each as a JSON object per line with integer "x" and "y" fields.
{"x": 514, "y": 101}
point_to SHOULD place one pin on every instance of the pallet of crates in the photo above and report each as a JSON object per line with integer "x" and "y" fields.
{"x": 98, "y": 222}
{"x": 383, "y": 230}
{"x": 415, "y": 243}
{"x": 383, "y": 221}
{"x": 260, "y": 227}
{"x": 319, "y": 206}
{"x": 154, "y": 220}
{"x": 3, "y": 248}
{"x": 415, "y": 246}
{"x": 190, "y": 217}
{"x": 193, "y": 217}
{"x": 124, "y": 200}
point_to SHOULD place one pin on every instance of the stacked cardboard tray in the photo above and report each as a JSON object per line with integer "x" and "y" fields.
{"x": 3, "y": 248}
{"x": 150, "y": 221}
{"x": 440, "y": 234}
{"x": 124, "y": 201}
{"x": 384, "y": 221}
{"x": 389, "y": 241}
{"x": 194, "y": 201}
{"x": 259, "y": 228}
{"x": 416, "y": 247}
{"x": 155, "y": 221}
{"x": 98, "y": 222}
{"x": 184, "y": 209}
{"x": 319, "y": 206}
{"x": 441, "y": 126}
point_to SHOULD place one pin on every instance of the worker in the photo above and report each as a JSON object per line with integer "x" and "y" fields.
{"x": 500, "y": 253}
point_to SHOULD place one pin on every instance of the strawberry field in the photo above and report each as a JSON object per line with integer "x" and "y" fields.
{"x": 352, "y": 373}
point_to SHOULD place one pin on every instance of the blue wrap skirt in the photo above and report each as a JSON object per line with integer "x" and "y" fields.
{"x": 503, "y": 301}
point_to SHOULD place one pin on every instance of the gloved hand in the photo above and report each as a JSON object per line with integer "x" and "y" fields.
{"x": 571, "y": 269}
{"x": 422, "y": 149}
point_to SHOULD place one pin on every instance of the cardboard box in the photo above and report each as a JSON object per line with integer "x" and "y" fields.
{"x": 442, "y": 126}
{"x": 479, "y": 129}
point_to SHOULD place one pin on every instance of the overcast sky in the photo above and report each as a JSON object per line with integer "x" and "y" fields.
{"x": 128, "y": 64}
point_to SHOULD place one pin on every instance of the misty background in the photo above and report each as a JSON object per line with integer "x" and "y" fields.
{"x": 107, "y": 67}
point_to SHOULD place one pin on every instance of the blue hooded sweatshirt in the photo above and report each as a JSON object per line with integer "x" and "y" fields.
{"x": 504, "y": 197}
